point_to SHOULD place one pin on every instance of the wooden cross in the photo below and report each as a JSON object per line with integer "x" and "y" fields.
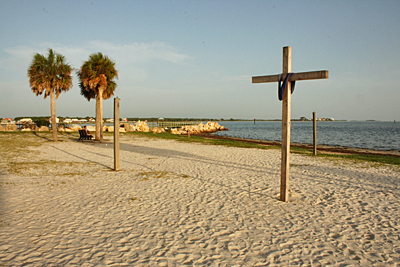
{"x": 286, "y": 111}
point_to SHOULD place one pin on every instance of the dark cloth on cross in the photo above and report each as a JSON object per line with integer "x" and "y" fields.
{"x": 282, "y": 87}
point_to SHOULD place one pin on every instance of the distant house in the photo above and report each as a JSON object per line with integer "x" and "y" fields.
{"x": 91, "y": 120}
{"x": 325, "y": 119}
{"x": 25, "y": 121}
{"x": 110, "y": 120}
{"x": 7, "y": 120}
{"x": 57, "y": 120}
{"x": 74, "y": 120}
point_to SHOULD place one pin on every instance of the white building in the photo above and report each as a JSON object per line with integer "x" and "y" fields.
{"x": 7, "y": 120}
{"x": 57, "y": 120}
{"x": 25, "y": 120}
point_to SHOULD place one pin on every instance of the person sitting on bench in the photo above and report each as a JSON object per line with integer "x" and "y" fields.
{"x": 89, "y": 134}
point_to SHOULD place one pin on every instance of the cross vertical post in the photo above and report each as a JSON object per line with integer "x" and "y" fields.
{"x": 286, "y": 113}
{"x": 286, "y": 110}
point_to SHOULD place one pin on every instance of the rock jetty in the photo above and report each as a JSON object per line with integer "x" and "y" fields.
{"x": 139, "y": 126}
{"x": 209, "y": 127}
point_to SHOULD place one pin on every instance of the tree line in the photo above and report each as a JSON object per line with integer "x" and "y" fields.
{"x": 51, "y": 76}
{"x": 44, "y": 120}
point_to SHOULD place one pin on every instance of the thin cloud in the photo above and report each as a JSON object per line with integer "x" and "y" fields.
{"x": 141, "y": 52}
{"x": 20, "y": 57}
{"x": 239, "y": 78}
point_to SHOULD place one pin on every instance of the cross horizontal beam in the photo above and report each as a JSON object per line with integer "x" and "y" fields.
{"x": 311, "y": 75}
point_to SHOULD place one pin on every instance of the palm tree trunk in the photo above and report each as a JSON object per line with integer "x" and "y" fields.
{"x": 53, "y": 115}
{"x": 98, "y": 115}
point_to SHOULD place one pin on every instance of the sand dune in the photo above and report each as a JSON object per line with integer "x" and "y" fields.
{"x": 177, "y": 204}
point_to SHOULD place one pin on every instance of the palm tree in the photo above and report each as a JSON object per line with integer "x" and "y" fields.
{"x": 97, "y": 81}
{"x": 50, "y": 76}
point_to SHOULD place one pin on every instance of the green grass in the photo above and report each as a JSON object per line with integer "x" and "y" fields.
{"x": 382, "y": 159}
{"x": 14, "y": 144}
{"x": 46, "y": 167}
{"x": 233, "y": 143}
{"x": 369, "y": 158}
{"x": 201, "y": 140}
{"x": 15, "y": 148}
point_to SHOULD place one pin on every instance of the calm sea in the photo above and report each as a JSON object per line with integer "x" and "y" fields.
{"x": 358, "y": 134}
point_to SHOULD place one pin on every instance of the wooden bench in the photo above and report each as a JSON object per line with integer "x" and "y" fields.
{"x": 84, "y": 136}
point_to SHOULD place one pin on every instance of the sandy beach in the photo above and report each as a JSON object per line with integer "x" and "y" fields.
{"x": 188, "y": 204}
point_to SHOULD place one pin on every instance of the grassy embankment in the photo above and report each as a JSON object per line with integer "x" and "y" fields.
{"x": 17, "y": 142}
{"x": 233, "y": 143}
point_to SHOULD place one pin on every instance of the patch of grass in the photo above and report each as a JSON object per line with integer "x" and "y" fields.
{"x": 16, "y": 153}
{"x": 133, "y": 199}
{"x": 3, "y": 223}
{"x": 365, "y": 158}
{"x": 15, "y": 143}
{"x": 355, "y": 158}
{"x": 154, "y": 174}
{"x": 233, "y": 143}
{"x": 298, "y": 165}
{"x": 199, "y": 139}
{"x": 300, "y": 150}
{"x": 160, "y": 174}
{"x": 45, "y": 167}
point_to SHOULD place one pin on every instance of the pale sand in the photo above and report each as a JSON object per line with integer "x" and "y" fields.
{"x": 176, "y": 204}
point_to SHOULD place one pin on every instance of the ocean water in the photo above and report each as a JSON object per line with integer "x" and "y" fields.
{"x": 357, "y": 134}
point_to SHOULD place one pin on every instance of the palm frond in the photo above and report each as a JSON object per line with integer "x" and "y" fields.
{"x": 49, "y": 73}
{"x": 97, "y": 73}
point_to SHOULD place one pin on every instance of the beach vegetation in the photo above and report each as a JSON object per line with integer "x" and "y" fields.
{"x": 200, "y": 139}
{"x": 354, "y": 158}
{"x": 16, "y": 144}
{"x": 381, "y": 159}
{"x": 96, "y": 78}
{"x": 39, "y": 121}
{"x": 17, "y": 147}
{"x": 50, "y": 76}
{"x": 45, "y": 167}
{"x": 358, "y": 158}
{"x": 145, "y": 176}
{"x": 133, "y": 199}
{"x": 4, "y": 223}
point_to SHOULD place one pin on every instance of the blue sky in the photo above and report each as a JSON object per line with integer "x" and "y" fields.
{"x": 195, "y": 59}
